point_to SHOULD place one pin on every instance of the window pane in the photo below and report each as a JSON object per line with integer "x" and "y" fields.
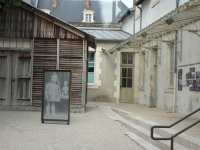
{"x": 129, "y": 82}
{"x": 130, "y": 70}
{"x": 90, "y": 64}
{"x": 130, "y": 58}
{"x": 124, "y": 70}
{"x": 90, "y": 57}
{"x": 123, "y": 82}
{"x": 124, "y": 58}
{"x": 90, "y": 77}
{"x": 171, "y": 78}
{"x": 90, "y": 69}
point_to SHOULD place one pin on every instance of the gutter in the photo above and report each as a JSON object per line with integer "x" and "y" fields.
{"x": 138, "y": 2}
{"x": 129, "y": 11}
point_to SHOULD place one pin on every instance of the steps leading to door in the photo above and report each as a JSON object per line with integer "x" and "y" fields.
{"x": 141, "y": 142}
{"x": 145, "y": 134}
{"x": 183, "y": 139}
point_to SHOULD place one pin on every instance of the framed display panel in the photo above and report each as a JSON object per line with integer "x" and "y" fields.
{"x": 56, "y": 95}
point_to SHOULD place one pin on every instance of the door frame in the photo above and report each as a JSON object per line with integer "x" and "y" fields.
{"x": 133, "y": 72}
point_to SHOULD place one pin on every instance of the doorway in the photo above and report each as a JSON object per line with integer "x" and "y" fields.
{"x": 15, "y": 78}
{"x": 127, "y": 77}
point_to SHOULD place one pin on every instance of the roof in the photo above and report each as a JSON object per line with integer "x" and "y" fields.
{"x": 180, "y": 17}
{"x": 106, "y": 11}
{"x": 61, "y": 23}
{"x": 112, "y": 35}
{"x": 138, "y": 2}
{"x": 131, "y": 10}
{"x": 32, "y": 2}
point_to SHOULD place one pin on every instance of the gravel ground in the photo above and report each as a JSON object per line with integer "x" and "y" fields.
{"x": 92, "y": 130}
{"x": 156, "y": 115}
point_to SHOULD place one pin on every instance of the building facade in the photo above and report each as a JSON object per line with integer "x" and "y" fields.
{"x": 166, "y": 54}
{"x": 32, "y": 41}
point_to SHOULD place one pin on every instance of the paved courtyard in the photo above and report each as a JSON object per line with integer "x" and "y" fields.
{"x": 93, "y": 130}
{"x": 156, "y": 115}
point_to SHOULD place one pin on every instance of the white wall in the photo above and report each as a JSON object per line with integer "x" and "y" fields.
{"x": 137, "y": 25}
{"x": 181, "y": 2}
{"x": 186, "y": 100}
{"x": 151, "y": 14}
{"x": 128, "y": 24}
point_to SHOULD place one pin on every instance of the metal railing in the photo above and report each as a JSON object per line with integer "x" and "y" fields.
{"x": 173, "y": 136}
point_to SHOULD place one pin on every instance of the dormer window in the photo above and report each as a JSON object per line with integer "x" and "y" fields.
{"x": 88, "y": 16}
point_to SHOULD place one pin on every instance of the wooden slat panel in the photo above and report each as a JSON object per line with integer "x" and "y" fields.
{"x": 44, "y": 59}
{"x": 18, "y": 22}
{"x": 71, "y": 52}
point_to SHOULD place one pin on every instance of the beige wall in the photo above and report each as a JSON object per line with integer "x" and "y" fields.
{"x": 103, "y": 88}
{"x": 107, "y": 75}
{"x": 186, "y": 101}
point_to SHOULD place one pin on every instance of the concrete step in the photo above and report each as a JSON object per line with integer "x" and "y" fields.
{"x": 141, "y": 142}
{"x": 183, "y": 139}
{"x": 145, "y": 135}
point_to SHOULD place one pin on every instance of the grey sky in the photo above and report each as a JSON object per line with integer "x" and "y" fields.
{"x": 128, "y": 3}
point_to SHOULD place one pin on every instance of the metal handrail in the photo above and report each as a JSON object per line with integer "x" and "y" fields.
{"x": 173, "y": 136}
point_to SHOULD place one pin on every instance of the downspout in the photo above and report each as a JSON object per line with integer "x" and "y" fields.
{"x": 133, "y": 24}
{"x": 175, "y": 68}
{"x": 140, "y": 16}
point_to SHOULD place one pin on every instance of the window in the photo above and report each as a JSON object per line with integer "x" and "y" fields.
{"x": 154, "y": 2}
{"x": 88, "y": 17}
{"x": 91, "y": 63}
{"x": 172, "y": 60}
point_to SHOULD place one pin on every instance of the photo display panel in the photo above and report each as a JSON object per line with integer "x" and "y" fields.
{"x": 56, "y": 95}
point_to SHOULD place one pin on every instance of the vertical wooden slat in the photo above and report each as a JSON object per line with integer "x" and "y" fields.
{"x": 58, "y": 55}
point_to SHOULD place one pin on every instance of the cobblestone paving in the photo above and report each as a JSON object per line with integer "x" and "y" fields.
{"x": 92, "y": 130}
{"x": 156, "y": 115}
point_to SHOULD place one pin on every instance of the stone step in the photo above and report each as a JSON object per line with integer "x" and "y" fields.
{"x": 183, "y": 139}
{"x": 141, "y": 142}
{"x": 145, "y": 135}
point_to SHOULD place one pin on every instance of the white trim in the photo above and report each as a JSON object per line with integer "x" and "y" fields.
{"x": 88, "y": 12}
{"x": 154, "y": 3}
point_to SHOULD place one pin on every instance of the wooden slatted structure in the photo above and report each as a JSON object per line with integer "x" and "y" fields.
{"x": 45, "y": 53}
{"x": 20, "y": 23}
{"x": 33, "y": 42}
{"x": 71, "y": 58}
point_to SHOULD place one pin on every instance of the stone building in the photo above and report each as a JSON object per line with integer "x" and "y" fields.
{"x": 165, "y": 48}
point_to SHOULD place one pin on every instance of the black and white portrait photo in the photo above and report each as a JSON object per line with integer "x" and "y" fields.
{"x": 188, "y": 75}
{"x": 56, "y": 95}
{"x": 179, "y": 85}
{"x": 187, "y": 82}
{"x": 180, "y": 73}
{"x": 197, "y": 87}
{"x": 192, "y": 85}
{"x": 192, "y": 73}
{"x": 197, "y": 75}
